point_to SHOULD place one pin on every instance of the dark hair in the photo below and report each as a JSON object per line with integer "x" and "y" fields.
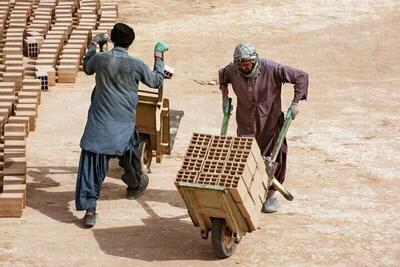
{"x": 122, "y": 35}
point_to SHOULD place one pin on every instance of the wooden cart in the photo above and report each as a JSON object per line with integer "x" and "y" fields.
{"x": 212, "y": 208}
{"x": 153, "y": 124}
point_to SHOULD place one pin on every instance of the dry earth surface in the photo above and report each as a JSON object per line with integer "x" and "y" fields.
{"x": 344, "y": 146}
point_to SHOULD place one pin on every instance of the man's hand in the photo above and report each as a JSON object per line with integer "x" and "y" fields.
{"x": 294, "y": 109}
{"x": 159, "y": 50}
{"x": 226, "y": 104}
{"x": 100, "y": 38}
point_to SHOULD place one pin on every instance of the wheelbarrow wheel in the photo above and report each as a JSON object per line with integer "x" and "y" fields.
{"x": 222, "y": 239}
{"x": 146, "y": 155}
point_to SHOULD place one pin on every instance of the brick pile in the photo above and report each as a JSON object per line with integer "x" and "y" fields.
{"x": 53, "y": 35}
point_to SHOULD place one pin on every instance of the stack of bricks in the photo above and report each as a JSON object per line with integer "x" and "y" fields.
{"x": 42, "y": 17}
{"x": 74, "y": 50}
{"x": 13, "y": 48}
{"x": 108, "y": 14}
{"x": 72, "y": 53}
{"x": 108, "y": 17}
{"x": 234, "y": 163}
{"x": 53, "y": 43}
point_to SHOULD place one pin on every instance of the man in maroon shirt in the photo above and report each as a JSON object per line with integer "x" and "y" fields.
{"x": 257, "y": 84}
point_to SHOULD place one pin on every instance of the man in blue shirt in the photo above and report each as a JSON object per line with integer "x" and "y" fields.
{"x": 111, "y": 124}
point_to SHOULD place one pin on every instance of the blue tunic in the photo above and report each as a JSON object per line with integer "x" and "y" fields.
{"x": 111, "y": 123}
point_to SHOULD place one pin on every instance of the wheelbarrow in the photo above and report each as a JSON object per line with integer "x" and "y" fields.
{"x": 213, "y": 209}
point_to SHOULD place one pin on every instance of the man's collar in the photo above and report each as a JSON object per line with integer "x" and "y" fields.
{"x": 121, "y": 49}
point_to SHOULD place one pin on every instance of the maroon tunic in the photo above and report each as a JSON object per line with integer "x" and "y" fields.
{"x": 259, "y": 112}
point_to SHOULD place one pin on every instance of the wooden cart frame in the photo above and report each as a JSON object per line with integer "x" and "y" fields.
{"x": 152, "y": 119}
{"x": 213, "y": 209}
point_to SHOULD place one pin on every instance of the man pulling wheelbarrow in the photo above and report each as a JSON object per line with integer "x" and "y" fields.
{"x": 257, "y": 84}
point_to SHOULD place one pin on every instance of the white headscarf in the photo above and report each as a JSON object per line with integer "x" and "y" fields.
{"x": 245, "y": 50}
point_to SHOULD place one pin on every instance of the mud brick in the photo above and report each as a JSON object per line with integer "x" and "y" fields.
{"x": 16, "y": 188}
{"x": 12, "y": 50}
{"x": 14, "y": 144}
{"x": 67, "y": 73}
{"x": 208, "y": 178}
{"x": 14, "y": 127}
{"x": 16, "y": 63}
{"x": 26, "y": 107}
{"x": 27, "y": 94}
{"x": 212, "y": 166}
{"x": 6, "y": 105}
{"x": 20, "y": 120}
{"x": 15, "y": 69}
{"x": 186, "y": 176}
{"x": 14, "y": 136}
{"x": 11, "y": 204}
{"x": 192, "y": 164}
{"x": 6, "y": 92}
{"x": 14, "y": 152}
{"x": 4, "y": 113}
{"x": 201, "y": 139}
{"x": 32, "y": 118}
{"x": 29, "y": 82}
{"x": 194, "y": 151}
{"x": 15, "y": 162}
{"x": 17, "y": 179}
{"x": 16, "y": 77}
{"x": 7, "y": 85}
{"x": 49, "y": 61}
{"x": 70, "y": 62}
{"x": 7, "y": 99}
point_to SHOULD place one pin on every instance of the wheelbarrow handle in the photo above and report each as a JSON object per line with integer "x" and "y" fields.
{"x": 227, "y": 115}
{"x": 282, "y": 135}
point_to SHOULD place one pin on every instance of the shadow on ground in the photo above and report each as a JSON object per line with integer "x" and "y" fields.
{"x": 158, "y": 239}
{"x": 44, "y": 197}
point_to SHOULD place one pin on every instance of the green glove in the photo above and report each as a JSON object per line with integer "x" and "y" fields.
{"x": 294, "y": 109}
{"x": 159, "y": 49}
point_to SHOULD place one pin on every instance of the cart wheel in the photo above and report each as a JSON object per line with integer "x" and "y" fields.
{"x": 222, "y": 238}
{"x": 146, "y": 155}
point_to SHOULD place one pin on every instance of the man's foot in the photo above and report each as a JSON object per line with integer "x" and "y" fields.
{"x": 271, "y": 205}
{"x": 90, "y": 217}
{"x": 133, "y": 193}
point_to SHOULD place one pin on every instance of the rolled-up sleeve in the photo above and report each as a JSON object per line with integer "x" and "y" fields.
{"x": 155, "y": 78}
{"x": 89, "y": 61}
{"x": 294, "y": 76}
{"x": 224, "y": 76}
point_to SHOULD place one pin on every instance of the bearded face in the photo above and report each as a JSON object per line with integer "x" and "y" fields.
{"x": 246, "y": 66}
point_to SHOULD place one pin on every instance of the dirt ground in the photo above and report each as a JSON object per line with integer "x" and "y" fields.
{"x": 343, "y": 147}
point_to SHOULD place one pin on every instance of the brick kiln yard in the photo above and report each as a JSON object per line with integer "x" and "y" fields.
{"x": 343, "y": 147}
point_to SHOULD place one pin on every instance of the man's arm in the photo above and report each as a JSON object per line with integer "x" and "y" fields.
{"x": 89, "y": 61}
{"x": 155, "y": 78}
{"x": 224, "y": 80}
{"x": 294, "y": 76}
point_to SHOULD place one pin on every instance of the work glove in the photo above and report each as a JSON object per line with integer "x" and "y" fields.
{"x": 294, "y": 109}
{"x": 159, "y": 49}
{"x": 100, "y": 38}
{"x": 226, "y": 104}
